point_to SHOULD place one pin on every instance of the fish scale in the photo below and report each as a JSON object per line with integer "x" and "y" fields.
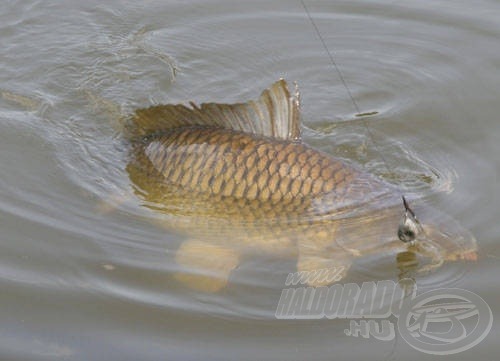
{"x": 267, "y": 208}
{"x": 244, "y": 166}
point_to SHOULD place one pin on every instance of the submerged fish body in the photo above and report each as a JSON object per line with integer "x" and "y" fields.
{"x": 282, "y": 177}
{"x": 237, "y": 177}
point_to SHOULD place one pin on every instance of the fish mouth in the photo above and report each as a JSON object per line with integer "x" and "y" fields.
{"x": 468, "y": 256}
{"x": 442, "y": 237}
{"x": 455, "y": 244}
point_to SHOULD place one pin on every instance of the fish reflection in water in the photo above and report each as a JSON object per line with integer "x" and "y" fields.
{"x": 236, "y": 180}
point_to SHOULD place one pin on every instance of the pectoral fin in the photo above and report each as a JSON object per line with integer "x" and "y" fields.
{"x": 207, "y": 266}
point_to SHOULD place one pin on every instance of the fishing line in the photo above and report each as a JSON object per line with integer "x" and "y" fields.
{"x": 332, "y": 59}
{"x": 409, "y": 215}
{"x": 342, "y": 79}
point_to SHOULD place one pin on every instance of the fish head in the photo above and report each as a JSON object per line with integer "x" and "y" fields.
{"x": 437, "y": 234}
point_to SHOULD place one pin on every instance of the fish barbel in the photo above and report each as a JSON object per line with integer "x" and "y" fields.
{"x": 238, "y": 176}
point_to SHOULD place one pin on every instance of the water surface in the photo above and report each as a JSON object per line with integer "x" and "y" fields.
{"x": 86, "y": 275}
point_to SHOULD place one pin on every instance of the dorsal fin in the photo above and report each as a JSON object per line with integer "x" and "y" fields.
{"x": 275, "y": 114}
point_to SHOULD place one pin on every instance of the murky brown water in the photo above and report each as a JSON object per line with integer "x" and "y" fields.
{"x": 83, "y": 282}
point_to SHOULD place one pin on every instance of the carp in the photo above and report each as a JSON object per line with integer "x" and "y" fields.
{"x": 237, "y": 179}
